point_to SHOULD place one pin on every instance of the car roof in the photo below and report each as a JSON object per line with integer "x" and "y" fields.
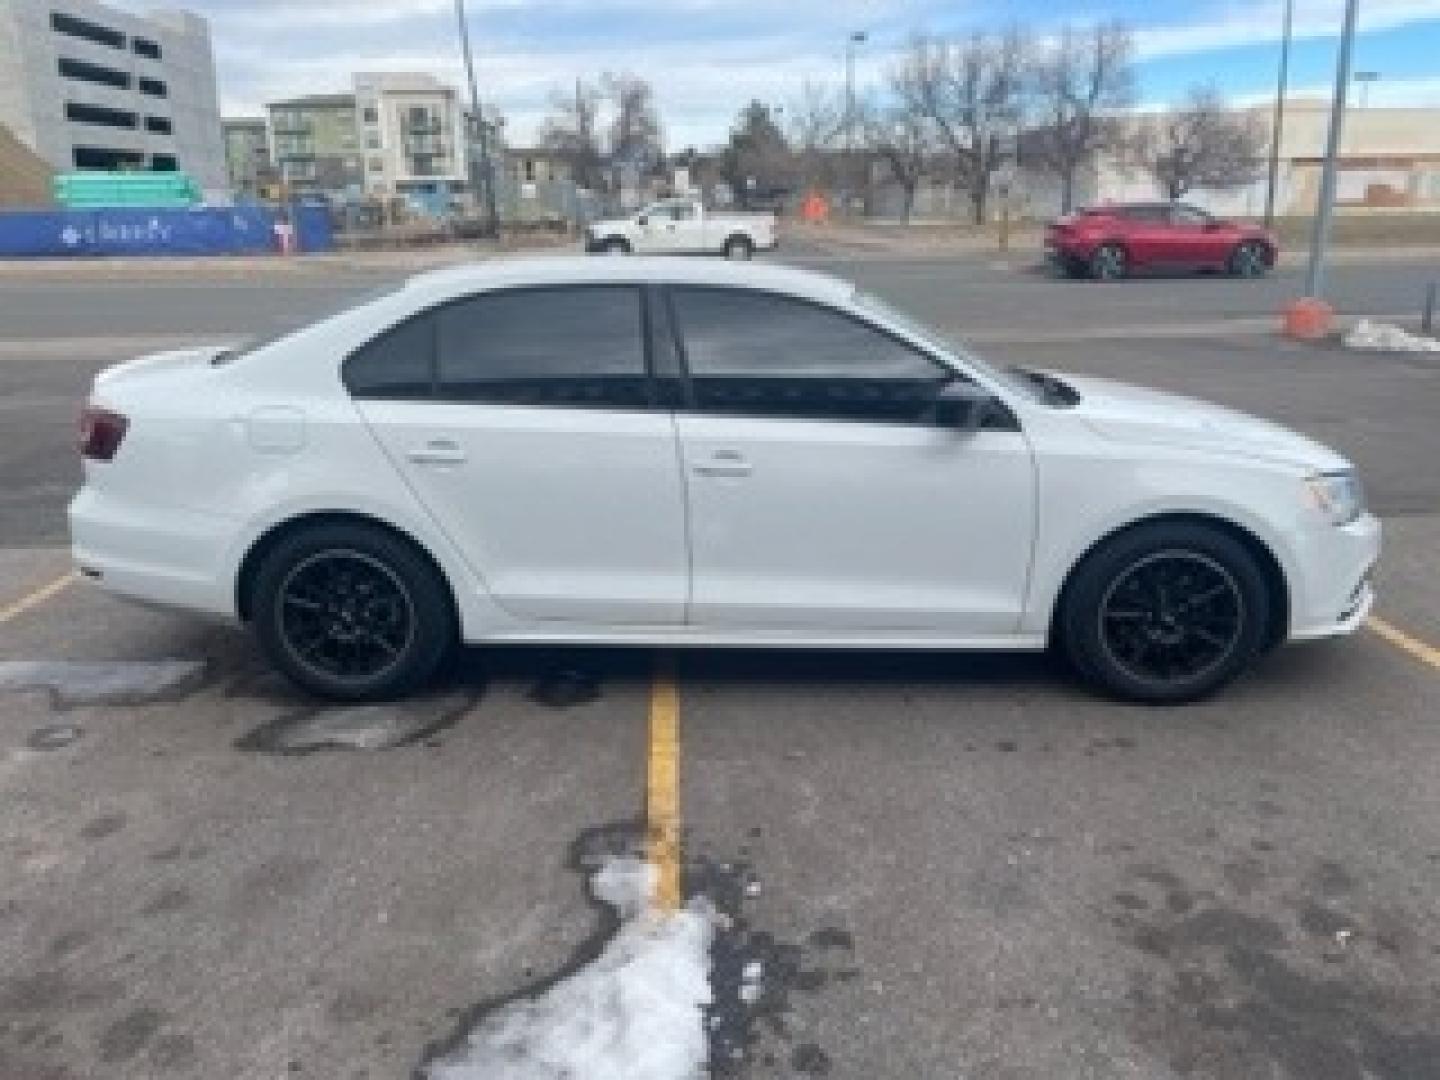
{"x": 520, "y": 271}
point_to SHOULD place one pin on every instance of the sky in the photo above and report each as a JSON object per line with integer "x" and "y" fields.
{"x": 707, "y": 58}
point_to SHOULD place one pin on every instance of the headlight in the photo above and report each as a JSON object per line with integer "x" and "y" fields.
{"x": 1337, "y": 495}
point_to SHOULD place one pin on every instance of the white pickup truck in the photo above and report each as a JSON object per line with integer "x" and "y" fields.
{"x": 682, "y": 226}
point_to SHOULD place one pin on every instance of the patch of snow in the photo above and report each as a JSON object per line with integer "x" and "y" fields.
{"x": 101, "y": 683}
{"x": 637, "y": 1012}
{"x": 1387, "y": 338}
{"x": 750, "y": 992}
{"x": 752, "y": 971}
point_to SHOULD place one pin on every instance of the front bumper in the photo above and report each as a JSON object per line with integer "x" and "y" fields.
{"x": 1333, "y": 591}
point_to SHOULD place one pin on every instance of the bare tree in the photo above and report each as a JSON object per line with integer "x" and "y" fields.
{"x": 903, "y": 140}
{"x": 816, "y": 119}
{"x": 1200, "y": 144}
{"x": 574, "y": 131}
{"x": 973, "y": 91}
{"x": 635, "y": 133}
{"x": 1082, "y": 79}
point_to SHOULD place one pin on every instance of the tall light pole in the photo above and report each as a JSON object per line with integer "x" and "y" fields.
{"x": 856, "y": 37}
{"x": 1366, "y": 79}
{"x": 1324, "y": 212}
{"x": 492, "y": 216}
{"x": 1278, "y": 127}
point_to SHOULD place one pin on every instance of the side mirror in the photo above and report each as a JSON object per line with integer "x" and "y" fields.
{"x": 962, "y": 405}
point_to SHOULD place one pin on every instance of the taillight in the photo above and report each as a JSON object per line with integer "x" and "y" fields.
{"x": 101, "y": 432}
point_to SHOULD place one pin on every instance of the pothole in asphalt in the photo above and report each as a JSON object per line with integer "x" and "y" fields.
{"x": 562, "y": 687}
{"x": 72, "y": 683}
{"x": 666, "y": 996}
{"x": 359, "y": 727}
{"x": 54, "y": 737}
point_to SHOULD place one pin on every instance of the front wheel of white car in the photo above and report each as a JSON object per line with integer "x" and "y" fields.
{"x": 352, "y": 612}
{"x": 1166, "y": 613}
{"x": 739, "y": 248}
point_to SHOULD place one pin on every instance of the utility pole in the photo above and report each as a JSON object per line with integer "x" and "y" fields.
{"x": 1325, "y": 211}
{"x": 1278, "y": 127}
{"x": 492, "y": 216}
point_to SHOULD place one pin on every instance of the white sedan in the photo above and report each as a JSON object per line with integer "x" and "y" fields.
{"x": 672, "y": 453}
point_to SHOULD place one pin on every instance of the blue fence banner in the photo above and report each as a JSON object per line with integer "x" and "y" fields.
{"x": 240, "y": 230}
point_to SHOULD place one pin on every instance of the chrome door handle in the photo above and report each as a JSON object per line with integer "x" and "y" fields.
{"x": 437, "y": 452}
{"x": 724, "y": 463}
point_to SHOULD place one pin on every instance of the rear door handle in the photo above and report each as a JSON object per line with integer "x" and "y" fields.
{"x": 437, "y": 452}
{"x": 724, "y": 463}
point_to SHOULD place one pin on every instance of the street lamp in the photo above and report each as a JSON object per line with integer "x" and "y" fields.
{"x": 1366, "y": 79}
{"x": 492, "y": 216}
{"x": 857, "y": 37}
{"x": 1278, "y": 127}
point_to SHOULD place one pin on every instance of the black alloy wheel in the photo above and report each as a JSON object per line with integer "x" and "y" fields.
{"x": 353, "y": 612}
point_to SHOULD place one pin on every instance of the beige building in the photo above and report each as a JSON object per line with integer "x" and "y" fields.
{"x": 1389, "y": 161}
{"x": 412, "y": 134}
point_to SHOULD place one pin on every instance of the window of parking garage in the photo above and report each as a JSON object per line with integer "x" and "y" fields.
{"x": 164, "y": 163}
{"x": 146, "y": 47}
{"x": 94, "y": 157}
{"x": 158, "y": 124}
{"x": 88, "y": 31}
{"x": 99, "y": 114}
{"x": 153, "y": 87}
{"x": 93, "y": 73}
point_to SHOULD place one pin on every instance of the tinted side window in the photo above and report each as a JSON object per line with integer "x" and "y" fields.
{"x": 576, "y": 347}
{"x": 400, "y": 363}
{"x": 1148, "y": 214}
{"x": 764, "y": 355}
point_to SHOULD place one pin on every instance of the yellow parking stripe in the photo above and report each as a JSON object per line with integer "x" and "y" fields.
{"x": 1426, "y": 654}
{"x": 36, "y": 598}
{"x": 662, "y": 790}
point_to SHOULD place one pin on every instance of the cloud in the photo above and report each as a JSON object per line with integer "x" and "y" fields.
{"x": 706, "y": 58}
{"x": 1238, "y": 23}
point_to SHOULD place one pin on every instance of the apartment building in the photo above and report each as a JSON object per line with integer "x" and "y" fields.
{"x": 247, "y": 155}
{"x": 413, "y": 132}
{"x": 89, "y": 87}
{"x": 315, "y": 144}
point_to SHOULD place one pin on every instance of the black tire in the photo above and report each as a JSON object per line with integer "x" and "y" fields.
{"x": 1166, "y": 613}
{"x": 738, "y": 248}
{"x": 1072, "y": 268}
{"x": 1109, "y": 262}
{"x": 351, "y": 612}
{"x": 616, "y": 245}
{"x": 1249, "y": 260}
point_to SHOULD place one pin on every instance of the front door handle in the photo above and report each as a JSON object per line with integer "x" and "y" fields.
{"x": 724, "y": 463}
{"x": 437, "y": 452}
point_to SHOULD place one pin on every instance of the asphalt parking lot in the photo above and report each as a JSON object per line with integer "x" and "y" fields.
{"x": 949, "y": 866}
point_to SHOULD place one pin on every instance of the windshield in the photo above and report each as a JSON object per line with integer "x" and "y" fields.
{"x": 1011, "y": 379}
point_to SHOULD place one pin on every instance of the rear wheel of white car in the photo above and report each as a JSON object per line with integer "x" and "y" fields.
{"x": 1165, "y": 613}
{"x": 739, "y": 247}
{"x": 615, "y": 246}
{"x": 352, "y": 612}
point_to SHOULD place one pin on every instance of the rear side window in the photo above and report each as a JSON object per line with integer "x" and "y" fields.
{"x": 397, "y": 364}
{"x": 579, "y": 347}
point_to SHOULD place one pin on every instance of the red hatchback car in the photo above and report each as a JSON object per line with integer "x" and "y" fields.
{"x": 1108, "y": 242}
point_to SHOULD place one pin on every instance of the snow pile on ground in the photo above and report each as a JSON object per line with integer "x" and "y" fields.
{"x": 1382, "y": 336}
{"x": 635, "y": 1013}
